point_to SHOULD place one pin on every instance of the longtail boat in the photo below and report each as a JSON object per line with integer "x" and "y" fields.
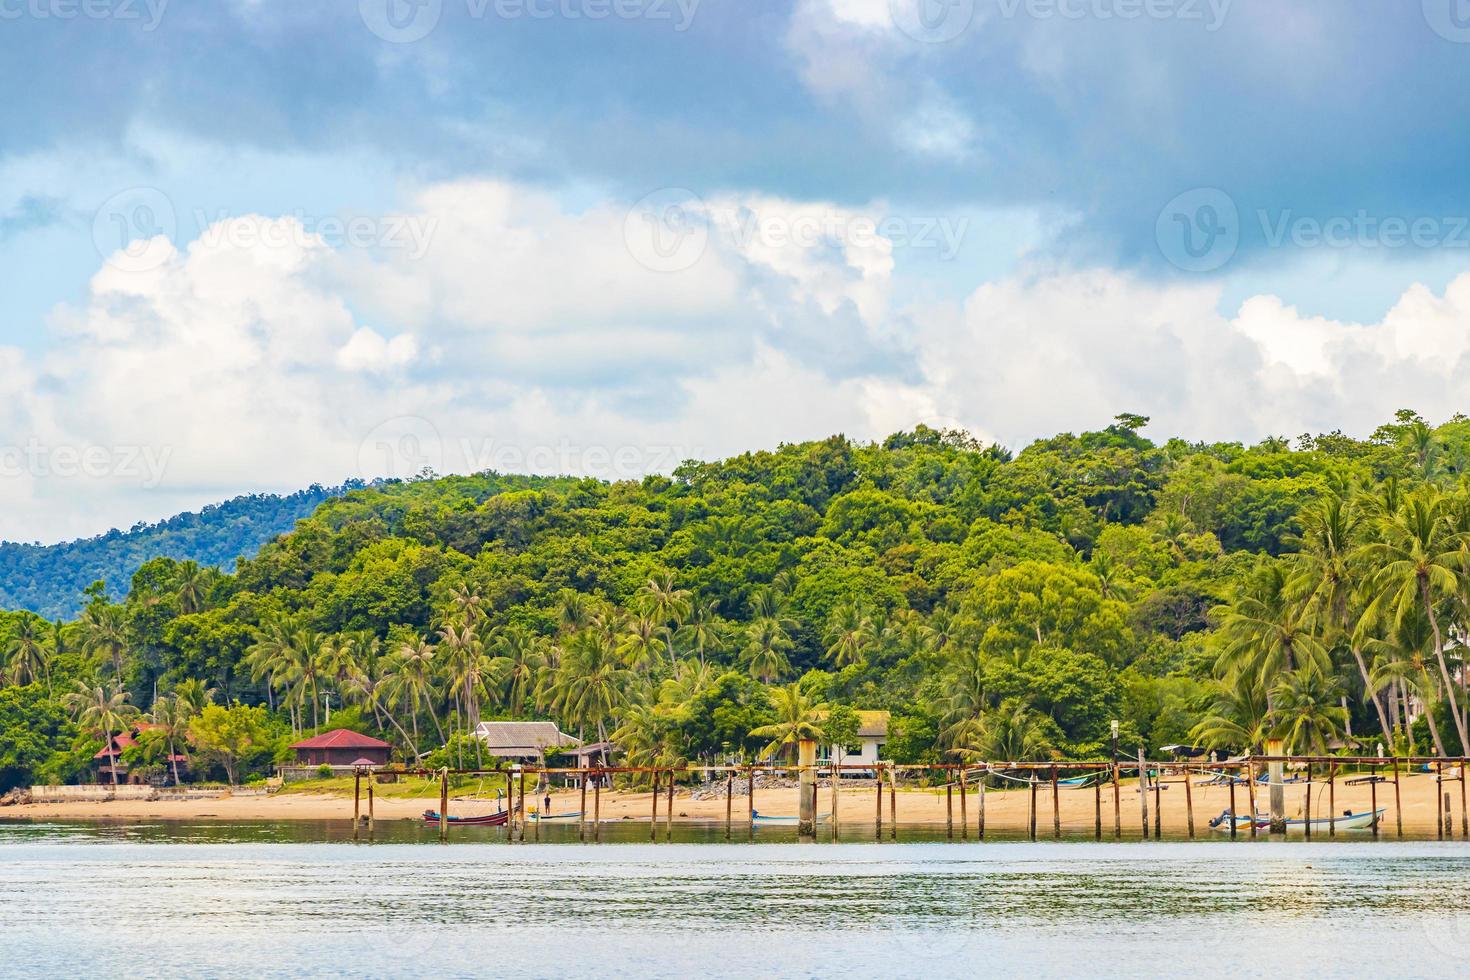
{"x": 487, "y": 820}
{"x": 1346, "y": 821}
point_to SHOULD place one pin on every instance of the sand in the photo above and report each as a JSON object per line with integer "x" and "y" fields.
{"x": 1006, "y": 810}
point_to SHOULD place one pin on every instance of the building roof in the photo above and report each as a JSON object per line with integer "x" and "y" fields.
{"x": 871, "y": 724}
{"x": 364, "y": 762}
{"x": 526, "y": 736}
{"x": 341, "y": 738}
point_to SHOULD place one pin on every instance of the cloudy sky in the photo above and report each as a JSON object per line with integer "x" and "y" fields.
{"x": 254, "y": 244}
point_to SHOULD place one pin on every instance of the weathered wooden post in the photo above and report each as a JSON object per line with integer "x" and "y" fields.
{"x": 1464, "y": 814}
{"x": 1373, "y": 796}
{"x": 750, "y": 797}
{"x": 356, "y": 801}
{"x": 1449, "y": 829}
{"x": 1097, "y": 806}
{"x": 1276, "y": 770}
{"x": 1189, "y": 801}
{"x": 1398, "y": 802}
{"x": 1332, "y": 799}
{"x": 1307, "y": 806}
{"x": 370, "y": 807}
{"x": 1056, "y": 806}
{"x": 510, "y": 807}
{"x": 964, "y": 803}
{"x": 878, "y": 811}
{"x": 729, "y": 802}
{"x": 669, "y": 811}
{"x": 892, "y": 803}
{"x": 444, "y": 803}
{"x": 949, "y": 807}
{"x": 1439, "y": 821}
{"x": 1159, "y": 804}
{"x": 525, "y": 814}
{"x": 806, "y": 782}
{"x": 836, "y": 797}
{"x": 582, "y": 807}
{"x": 1233, "y": 814}
{"x": 1143, "y": 790}
{"x": 1250, "y": 791}
{"x": 653, "y": 819}
{"x": 1031, "y": 818}
{"x": 980, "y": 796}
{"x": 597, "y": 808}
{"x": 1117, "y": 805}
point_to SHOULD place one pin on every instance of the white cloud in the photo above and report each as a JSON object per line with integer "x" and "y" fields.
{"x": 528, "y": 337}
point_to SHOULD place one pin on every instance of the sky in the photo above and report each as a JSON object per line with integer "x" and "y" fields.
{"x": 250, "y": 245}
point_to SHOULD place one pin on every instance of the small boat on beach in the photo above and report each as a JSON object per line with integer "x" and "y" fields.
{"x": 539, "y": 817}
{"x": 486, "y": 820}
{"x": 1346, "y": 821}
{"x": 759, "y": 817}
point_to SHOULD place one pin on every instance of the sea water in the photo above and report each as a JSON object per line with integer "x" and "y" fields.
{"x": 157, "y": 899}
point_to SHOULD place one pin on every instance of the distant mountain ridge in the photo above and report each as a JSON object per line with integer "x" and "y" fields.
{"x": 49, "y": 579}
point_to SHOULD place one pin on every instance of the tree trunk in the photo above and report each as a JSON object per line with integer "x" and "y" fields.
{"x": 115, "y": 759}
{"x": 173, "y": 758}
{"x": 1444, "y": 670}
{"x": 1383, "y": 722}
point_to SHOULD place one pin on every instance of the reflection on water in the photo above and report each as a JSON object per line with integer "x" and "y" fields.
{"x": 277, "y": 900}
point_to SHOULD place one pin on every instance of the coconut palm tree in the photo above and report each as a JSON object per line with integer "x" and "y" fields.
{"x": 702, "y": 628}
{"x": 963, "y": 687}
{"x": 765, "y": 650}
{"x": 1415, "y": 563}
{"x": 104, "y": 633}
{"x": 101, "y": 708}
{"x": 668, "y": 604}
{"x": 1306, "y": 712}
{"x": 26, "y": 656}
{"x": 1267, "y": 629}
{"x": 1012, "y": 731}
{"x": 172, "y": 715}
{"x": 409, "y": 681}
{"x": 1237, "y": 715}
{"x": 592, "y": 683}
{"x": 798, "y": 719}
{"x": 849, "y": 632}
{"x": 193, "y": 588}
{"x": 640, "y": 643}
{"x": 518, "y": 657}
{"x": 1403, "y": 657}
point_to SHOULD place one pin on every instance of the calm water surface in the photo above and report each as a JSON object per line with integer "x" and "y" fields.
{"x": 175, "y": 899}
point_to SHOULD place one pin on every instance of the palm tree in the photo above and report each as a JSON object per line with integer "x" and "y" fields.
{"x": 702, "y": 628}
{"x": 104, "y": 631}
{"x": 640, "y": 643}
{"x": 798, "y": 719}
{"x": 963, "y": 688}
{"x": 1307, "y": 713}
{"x": 1326, "y": 575}
{"x": 592, "y": 683}
{"x": 409, "y": 681}
{"x": 26, "y": 655}
{"x": 765, "y": 650}
{"x": 101, "y": 708}
{"x": 1237, "y": 715}
{"x": 193, "y": 587}
{"x": 194, "y": 694}
{"x": 849, "y": 632}
{"x": 668, "y": 604}
{"x": 518, "y": 657}
{"x": 1012, "y": 731}
{"x": 1402, "y": 658}
{"x": 171, "y": 715}
{"x": 1267, "y": 630}
{"x": 1415, "y": 564}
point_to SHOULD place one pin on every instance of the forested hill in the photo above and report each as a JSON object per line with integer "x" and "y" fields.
{"x": 49, "y": 579}
{"x": 1000, "y": 606}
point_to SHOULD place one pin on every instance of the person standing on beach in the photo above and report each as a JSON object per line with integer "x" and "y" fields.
{"x": 546, "y": 810}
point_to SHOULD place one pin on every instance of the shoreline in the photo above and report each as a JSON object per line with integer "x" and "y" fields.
{"x": 1006, "y": 810}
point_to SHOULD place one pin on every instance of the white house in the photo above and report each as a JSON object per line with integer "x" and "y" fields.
{"x": 867, "y": 747}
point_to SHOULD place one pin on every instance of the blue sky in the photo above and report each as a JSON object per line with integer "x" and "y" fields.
{"x": 1241, "y": 217}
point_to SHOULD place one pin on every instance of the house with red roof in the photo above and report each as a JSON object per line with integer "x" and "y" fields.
{"x": 109, "y": 757}
{"x": 342, "y": 749}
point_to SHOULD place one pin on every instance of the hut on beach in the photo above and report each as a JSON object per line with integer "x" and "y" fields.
{"x": 341, "y": 749}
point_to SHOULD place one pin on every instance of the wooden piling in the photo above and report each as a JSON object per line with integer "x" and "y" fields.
{"x": 510, "y": 808}
{"x": 1232, "y": 807}
{"x": 1159, "y": 805}
{"x": 949, "y": 810}
{"x": 653, "y": 819}
{"x": 1189, "y": 801}
{"x": 370, "y": 807}
{"x": 1307, "y": 806}
{"x": 1250, "y": 788}
{"x": 1097, "y": 807}
{"x": 1464, "y": 814}
{"x": 582, "y": 808}
{"x": 669, "y": 812}
{"x": 878, "y": 813}
{"x": 1117, "y": 806}
{"x": 356, "y": 801}
{"x": 1031, "y": 822}
{"x": 980, "y": 796}
{"x": 750, "y": 798}
{"x": 892, "y": 803}
{"x": 1449, "y": 827}
{"x": 597, "y": 808}
{"x": 1439, "y": 821}
{"x": 525, "y": 813}
{"x": 1373, "y": 798}
{"x": 1398, "y": 802}
{"x": 836, "y": 795}
{"x": 1332, "y": 799}
{"x": 964, "y": 807}
{"x": 444, "y": 804}
{"x": 1143, "y": 791}
{"x": 729, "y": 803}
{"x": 1056, "y": 806}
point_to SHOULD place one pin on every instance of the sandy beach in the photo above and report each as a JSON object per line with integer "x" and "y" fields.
{"x": 1005, "y": 810}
